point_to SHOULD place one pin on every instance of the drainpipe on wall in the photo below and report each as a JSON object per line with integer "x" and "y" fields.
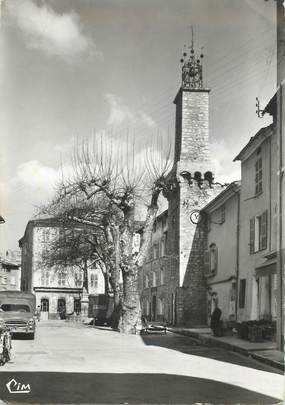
{"x": 237, "y": 254}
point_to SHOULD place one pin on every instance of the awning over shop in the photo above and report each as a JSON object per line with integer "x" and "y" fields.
{"x": 267, "y": 268}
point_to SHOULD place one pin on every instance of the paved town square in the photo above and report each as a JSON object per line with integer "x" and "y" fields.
{"x": 98, "y": 365}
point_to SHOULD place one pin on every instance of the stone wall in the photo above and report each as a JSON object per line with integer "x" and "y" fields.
{"x": 186, "y": 239}
{"x": 184, "y": 287}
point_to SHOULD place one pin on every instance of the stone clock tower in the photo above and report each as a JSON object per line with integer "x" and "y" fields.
{"x": 192, "y": 187}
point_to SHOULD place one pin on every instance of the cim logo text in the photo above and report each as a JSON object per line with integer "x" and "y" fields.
{"x": 15, "y": 387}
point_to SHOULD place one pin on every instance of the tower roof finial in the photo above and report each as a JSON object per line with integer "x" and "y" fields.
{"x": 192, "y": 70}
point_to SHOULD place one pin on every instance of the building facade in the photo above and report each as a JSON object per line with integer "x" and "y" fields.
{"x": 10, "y": 270}
{"x": 157, "y": 281}
{"x": 215, "y": 243}
{"x": 258, "y": 288}
{"x": 240, "y": 264}
{"x": 55, "y": 287}
{"x": 221, "y": 257}
{"x": 10, "y": 275}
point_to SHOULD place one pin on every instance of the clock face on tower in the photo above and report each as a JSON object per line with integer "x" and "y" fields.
{"x": 195, "y": 217}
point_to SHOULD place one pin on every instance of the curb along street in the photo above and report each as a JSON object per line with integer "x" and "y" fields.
{"x": 268, "y": 356}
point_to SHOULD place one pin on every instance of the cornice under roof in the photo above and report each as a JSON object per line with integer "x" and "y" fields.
{"x": 254, "y": 142}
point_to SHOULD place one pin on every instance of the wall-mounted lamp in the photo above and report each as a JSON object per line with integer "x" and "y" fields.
{"x": 2, "y": 220}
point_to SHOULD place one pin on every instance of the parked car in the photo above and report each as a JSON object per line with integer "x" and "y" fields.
{"x": 17, "y": 309}
{"x": 151, "y": 326}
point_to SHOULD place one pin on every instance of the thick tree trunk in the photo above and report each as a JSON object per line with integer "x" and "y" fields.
{"x": 106, "y": 283}
{"x": 130, "y": 311}
{"x": 113, "y": 238}
{"x": 130, "y": 320}
{"x": 146, "y": 238}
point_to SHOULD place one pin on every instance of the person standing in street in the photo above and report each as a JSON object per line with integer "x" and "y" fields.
{"x": 38, "y": 313}
{"x": 216, "y": 324}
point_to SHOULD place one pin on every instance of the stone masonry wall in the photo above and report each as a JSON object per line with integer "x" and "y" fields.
{"x": 191, "y": 155}
{"x": 195, "y": 128}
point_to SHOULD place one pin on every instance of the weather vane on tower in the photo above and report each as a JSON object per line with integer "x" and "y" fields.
{"x": 192, "y": 70}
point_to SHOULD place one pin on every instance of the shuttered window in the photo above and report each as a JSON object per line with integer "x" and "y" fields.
{"x": 258, "y": 176}
{"x": 258, "y": 231}
{"x": 251, "y": 235}
{"x": 207, "y": 263}
{"x": 213, "y": 259}
{"x": 263, "y": 231}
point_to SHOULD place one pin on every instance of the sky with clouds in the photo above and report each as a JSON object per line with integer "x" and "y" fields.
{"x": 71, "y": 68}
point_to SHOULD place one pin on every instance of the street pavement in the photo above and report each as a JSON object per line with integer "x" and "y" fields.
{"x": 186, "y": 344}
{"x": 72, "y": 363}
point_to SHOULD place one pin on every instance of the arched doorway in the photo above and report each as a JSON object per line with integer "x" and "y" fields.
{"x": 44, "y": 308}
{"x": 61, "y": 307}
{"x": 77, "y": 306}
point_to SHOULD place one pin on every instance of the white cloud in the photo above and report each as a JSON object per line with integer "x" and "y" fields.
{"x": 225, "y": 170}
{"x": 44, "y": 29}
{"x": 120, "y": 113}
{"x": 146, "y": 119}
{"x": 35, "y": 175}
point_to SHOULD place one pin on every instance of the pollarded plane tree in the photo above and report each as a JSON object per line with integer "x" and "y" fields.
{"x": 113, "y": 181}
{"x": 82, "y": 239}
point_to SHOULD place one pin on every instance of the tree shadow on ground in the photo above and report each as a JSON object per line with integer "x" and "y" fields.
{"x": 127, "y": 388}
{"x": 189, "y": 345}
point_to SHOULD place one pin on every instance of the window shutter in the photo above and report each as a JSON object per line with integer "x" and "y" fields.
{"x": 263, "y": 231}
{"x": 207, "y": 263}
{"x": 216, "y": 261}
{"x": 251, "y": 236}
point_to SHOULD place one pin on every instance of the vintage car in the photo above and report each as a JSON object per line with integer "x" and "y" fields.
{"x": 17, "y": 310}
